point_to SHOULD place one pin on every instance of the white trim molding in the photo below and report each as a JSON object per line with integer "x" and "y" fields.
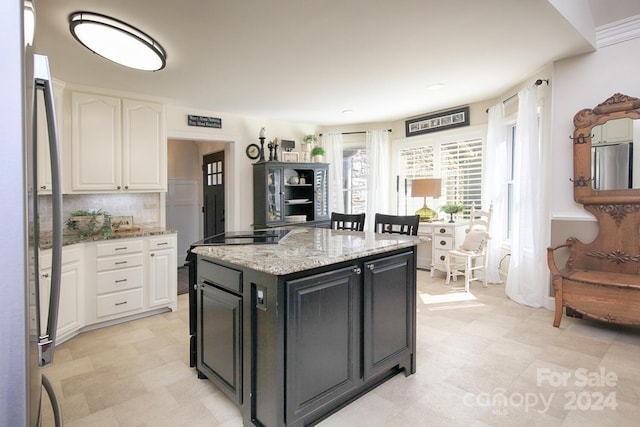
{"x": 618, "y": 31}
{"x": 572, "y": 216}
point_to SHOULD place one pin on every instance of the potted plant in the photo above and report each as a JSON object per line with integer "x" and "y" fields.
{"x": 309, "y": 139}
{"x": 317, "y": 154}
{"x": 452, "y": 209}
{"x": 89, "y": 222}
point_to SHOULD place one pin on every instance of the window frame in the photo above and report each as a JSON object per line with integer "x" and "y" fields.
{"x": 477, "y": 132}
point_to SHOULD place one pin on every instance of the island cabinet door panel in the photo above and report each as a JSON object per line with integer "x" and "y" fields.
{"x": 219, "y": 332}
{"x": 389, "y": 300}
{"x": 322, "y": 344}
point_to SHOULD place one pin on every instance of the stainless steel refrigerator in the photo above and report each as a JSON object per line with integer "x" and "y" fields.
{"x": 27, "y": 322}
{"x": 612, "y": 166}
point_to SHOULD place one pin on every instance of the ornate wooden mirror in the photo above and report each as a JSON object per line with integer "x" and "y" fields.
{"x": 617, "y": 248}
{"x": 606, "y": 141}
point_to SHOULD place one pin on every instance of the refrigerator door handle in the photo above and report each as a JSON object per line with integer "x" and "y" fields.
{"x": 46, "y": 343}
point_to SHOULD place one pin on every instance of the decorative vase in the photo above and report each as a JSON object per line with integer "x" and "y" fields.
{"x": 451, "y": 217}
{"x": 319, "y": 158}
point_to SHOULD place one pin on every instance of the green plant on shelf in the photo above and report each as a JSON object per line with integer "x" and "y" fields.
{"x": 317, "y": 151}
{"x": 309, "y": 139}
{"x": 89, "y": 222}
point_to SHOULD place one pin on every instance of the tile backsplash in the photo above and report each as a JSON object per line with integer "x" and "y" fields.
{"x": 144, "y": 207}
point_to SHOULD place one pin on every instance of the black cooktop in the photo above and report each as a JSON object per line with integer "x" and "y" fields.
{"x": 253, "y": 237}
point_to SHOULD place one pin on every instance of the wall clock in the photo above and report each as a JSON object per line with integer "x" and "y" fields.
{"x": 253, "y": 151}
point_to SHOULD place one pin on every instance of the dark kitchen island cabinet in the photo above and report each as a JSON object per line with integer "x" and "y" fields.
{"x": 293, "y": 331}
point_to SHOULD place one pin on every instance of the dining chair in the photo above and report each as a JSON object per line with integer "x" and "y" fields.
{"x": 470, "y": 258}
{"x": 397, "y": 224}
{"x": 340, "y": 221}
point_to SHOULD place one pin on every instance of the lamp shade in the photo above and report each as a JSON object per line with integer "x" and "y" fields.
{"x": 117, "y": 41}
{"x": 426, "y": 187}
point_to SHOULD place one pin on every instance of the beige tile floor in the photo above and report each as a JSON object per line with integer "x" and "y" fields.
{"x": 481, "y": 362}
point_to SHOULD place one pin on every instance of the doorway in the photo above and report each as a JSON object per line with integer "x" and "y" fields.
{"x": 213, "y": 185}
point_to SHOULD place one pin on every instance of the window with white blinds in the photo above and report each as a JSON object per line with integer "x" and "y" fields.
{"x": 461, "y": 172}
{"x": 415, "y": 163}
{"x": 458, "y": 164}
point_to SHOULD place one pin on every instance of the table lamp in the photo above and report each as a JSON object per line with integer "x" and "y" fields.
{"x": 426, "y": 187}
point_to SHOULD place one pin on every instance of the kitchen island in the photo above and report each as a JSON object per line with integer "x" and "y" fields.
{"x": 293, "y": 331}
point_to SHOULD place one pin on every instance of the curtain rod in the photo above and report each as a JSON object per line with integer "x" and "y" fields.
{"x": 537, "y": 83}
{"x": 357, "y": 132}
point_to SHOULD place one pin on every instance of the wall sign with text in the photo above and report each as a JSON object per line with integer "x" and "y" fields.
{"x": 205, "y": 122}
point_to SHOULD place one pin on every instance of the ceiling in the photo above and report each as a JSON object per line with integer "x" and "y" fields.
{"x": 308, "y": 61}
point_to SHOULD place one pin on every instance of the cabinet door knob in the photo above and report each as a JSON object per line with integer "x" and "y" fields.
{"x": 357, "y": 270}
{"x": 118, "y": 187}
{"x": 443, "y": 230}
{"x": 442, "y": 242}
{"x": 43, "y": 187}
{"x": 126, "y": 187}
{"x": 371, "y": 267}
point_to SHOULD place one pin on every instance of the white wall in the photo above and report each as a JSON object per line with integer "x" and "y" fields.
{"x": 237, "y": 132}
{"x": 584, "y": 82}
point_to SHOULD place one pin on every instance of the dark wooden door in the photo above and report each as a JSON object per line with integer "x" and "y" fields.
{"x": 388, "y": 306}
{"x": 219, "y": 335}
{"x": 213, "y": 184}
{"x": 323, "y": 340}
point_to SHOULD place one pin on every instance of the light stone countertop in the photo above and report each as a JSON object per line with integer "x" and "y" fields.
{"x": 71, "y": 238}
{"x": 306, "y": 248}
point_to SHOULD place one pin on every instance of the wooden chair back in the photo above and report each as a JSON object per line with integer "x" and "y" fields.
{"x": 353, "y": 222}
{"x": 397, "y": 224}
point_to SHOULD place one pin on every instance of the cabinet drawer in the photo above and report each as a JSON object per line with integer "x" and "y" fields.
{"x": 119, "y": 280}
{"x": 117, "y": 248}
{"x": 442, "y": 242}
{"x": 438, "y": 256}
{"x": 220, "y": 276}
{"x": 161, "y": 243}
{"x": 442, "y": 230}
{"x": 109, "y": 263}
{"x": 119, "y": 302}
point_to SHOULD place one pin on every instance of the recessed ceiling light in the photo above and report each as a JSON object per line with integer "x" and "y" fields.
{"x": 117, "y": 41}
{"x": 435, "y": 86}
{"x": 347, "y": 111}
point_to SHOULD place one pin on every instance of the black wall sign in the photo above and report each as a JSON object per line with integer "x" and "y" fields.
{"x": 205, "y": 122}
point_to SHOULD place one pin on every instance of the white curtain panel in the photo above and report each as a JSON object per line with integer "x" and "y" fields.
{"x": 378, "y": 146}
{"x": 332, "y": 143}
{"x": 527, "y": 280}
{"x": 494, "y": 191}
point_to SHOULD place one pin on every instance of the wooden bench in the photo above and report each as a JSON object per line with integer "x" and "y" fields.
{"x": 602, "y": 295}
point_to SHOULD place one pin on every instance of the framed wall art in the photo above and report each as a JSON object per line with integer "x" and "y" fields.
{"x": 438, "y": 121}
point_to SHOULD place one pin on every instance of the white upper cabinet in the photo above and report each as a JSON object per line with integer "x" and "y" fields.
{"x": 117, "y": 145}
{"x": 144, "y": 146}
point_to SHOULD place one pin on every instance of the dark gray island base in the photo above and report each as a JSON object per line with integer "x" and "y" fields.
{"x": 294, "y": 331}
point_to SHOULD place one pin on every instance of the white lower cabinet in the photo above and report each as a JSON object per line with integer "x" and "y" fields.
{"x": 105, "y": 281}
{"x": 163, "y": 280}
{"x": 132, "y": 276}
{"x": 71, "y": 309}
{"x": 119, "y": 277}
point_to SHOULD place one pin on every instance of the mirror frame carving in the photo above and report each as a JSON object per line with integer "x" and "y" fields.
{"x": 617, "y": 106}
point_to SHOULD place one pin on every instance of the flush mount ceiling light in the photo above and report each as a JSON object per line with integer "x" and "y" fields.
{"x": 117, "y": 41}
{"x": 29, "y": 22}
{"x": 435, "y": 86}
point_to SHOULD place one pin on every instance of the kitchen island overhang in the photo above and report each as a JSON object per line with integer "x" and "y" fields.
{"x": 294, "y": 331}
